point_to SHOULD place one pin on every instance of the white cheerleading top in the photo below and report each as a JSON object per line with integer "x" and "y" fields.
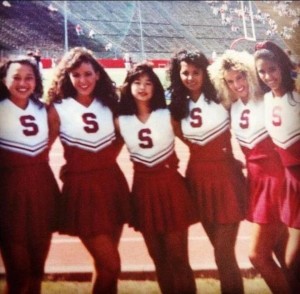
{"x": 90, "y": 128}
{"x": 283, "y": 118}
{"x": 248, "y": 122}
{"x": 23, "y": 131}
{"x": 151, "y": 142}
{"x": 205, "y": 122}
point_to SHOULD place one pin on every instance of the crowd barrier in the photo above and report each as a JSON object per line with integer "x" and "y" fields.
{"x": 109, "y": 63}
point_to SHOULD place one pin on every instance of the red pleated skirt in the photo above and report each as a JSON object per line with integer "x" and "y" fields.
{"x": 94, "y": 202}
{"x": 29, "y": 198}
{"x": 290, "y": 206}
{"x": 266, "y": 190}
{"x": 218, "y": 189}
{"x": 160, "y": 200}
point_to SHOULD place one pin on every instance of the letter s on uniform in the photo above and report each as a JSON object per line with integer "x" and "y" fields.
{"x": 30, "y": 128}
{"x": 91, "y": 124}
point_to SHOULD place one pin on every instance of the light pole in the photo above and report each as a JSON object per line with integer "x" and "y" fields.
{"x": 141, "y": 30}
{"x": 66, "y": 26}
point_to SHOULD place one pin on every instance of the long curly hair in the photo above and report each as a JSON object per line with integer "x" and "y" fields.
{"x": 62, "y": 88}
{"x": 37, "y": 94}
{"x": 268, "y": 50}
{"x": 127, "y": 104}
{"x": 241, "y": 61}
{"x": 179, "y": 93}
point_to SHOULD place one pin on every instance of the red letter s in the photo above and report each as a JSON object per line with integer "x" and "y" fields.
{"x": 276, "y": 116}
{"x": 146, "y": 140}
{"x": 196, "y": 118}
{"x": 92, "y": 125}
{"x": 31, "y": 129}
{"x": 244, "y": 123}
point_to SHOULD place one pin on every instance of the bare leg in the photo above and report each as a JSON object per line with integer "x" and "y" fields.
{"x": 280, "y": 247}
{"x": 104, "y": 250}
{"x": 17, "y": 266}
{"x": 38, "y": 256}
{"x": 264, "y": 240}
{"x": 293, "y": 259}
{"x": 176, "y": 245}
{"x": 223, "y": 238}
{"x": 156, "y": 248}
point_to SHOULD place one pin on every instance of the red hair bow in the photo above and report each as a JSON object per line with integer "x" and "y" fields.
{"x": 260, "y": 45}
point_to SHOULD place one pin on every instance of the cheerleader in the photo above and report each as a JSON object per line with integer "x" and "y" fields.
{"x": 160, "y": 201}
{"x": 28, "y": 190}
{"x": 282, "y": 118}
{"x": 214, "y": 177}
{"x": 234, "y": 76}
{"x": 95, "y": 193}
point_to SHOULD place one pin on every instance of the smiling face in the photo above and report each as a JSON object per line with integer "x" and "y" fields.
{"x": 142, "y": 88}
{"x": 237, "y": 82}
{"x": 84, "y": 79}
{"x": 192, "y": 78}
{"x": 269, "y": 72}
{"x": 20, "y": 82}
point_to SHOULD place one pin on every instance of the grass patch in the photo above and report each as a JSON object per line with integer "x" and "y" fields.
{"x": 204, "y": 286}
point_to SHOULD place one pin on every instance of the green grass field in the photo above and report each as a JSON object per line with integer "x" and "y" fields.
{"x": 204, "y": 286}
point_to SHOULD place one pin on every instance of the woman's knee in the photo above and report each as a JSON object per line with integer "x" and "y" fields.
{"x": 104, "y": 252}
{"x": 156, "y": 248}
{"x": 255, "y": 258}
{"x": 224, "y": 243}
{"x": 177, "y": 257}
{"x": 292, "y": 256}
{"x": 111, "y": 265}
{"x": 260, "y": 259}
{"x": 225, "y": 258}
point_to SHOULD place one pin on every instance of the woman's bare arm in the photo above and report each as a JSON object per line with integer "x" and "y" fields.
{"x": 53, "y": 123}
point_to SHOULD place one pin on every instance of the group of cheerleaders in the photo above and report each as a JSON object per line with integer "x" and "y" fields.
{"x": 250, "y": 96}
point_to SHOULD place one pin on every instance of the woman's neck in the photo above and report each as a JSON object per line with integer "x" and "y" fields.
{"x": 278, "y": 92}
{"x": 195, "y": 95}
{"x": 143, "y": 112}
{"x": 21, "y": 103}
{"x": 84, "y": 100}
{"x": 244, "y": 99}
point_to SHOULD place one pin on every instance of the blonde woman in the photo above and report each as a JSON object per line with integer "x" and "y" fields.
{"x": 234, "y": 77}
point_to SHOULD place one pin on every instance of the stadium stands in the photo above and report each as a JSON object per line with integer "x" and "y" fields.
{"x": 163, "y": 27}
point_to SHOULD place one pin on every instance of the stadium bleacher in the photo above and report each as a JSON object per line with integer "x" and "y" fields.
{"x": 166, "y": 26}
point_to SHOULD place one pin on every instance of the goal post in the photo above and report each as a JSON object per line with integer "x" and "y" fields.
{"x": 248, "y": 36}
{"x": 252, "y": 35}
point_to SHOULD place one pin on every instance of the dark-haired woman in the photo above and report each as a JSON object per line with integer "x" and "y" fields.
{"x": 214, "y": 177}
{"x": 161, "y": 204}
{"x": 28, "y": 190}
{"x": 282, "y": 117}
{"x": 95, "y": 192}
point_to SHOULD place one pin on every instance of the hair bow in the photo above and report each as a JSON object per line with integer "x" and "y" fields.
{"x": 260, "y": 45}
